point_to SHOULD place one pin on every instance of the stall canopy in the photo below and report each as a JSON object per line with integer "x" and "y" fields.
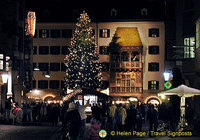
{"x": 85, "y": 92}
{"x": 182, "y": 91}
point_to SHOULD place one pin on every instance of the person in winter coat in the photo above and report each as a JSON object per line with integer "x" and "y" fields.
{"x": 131, "y": 118}
{"x": 72, "y": 121}
{"x": 18, "y": 114}
{"x": 153, "y": 118}
{"x": 111, "y": 115}
{"x": 120, "y": 116}
{"x": 93, "y": 131}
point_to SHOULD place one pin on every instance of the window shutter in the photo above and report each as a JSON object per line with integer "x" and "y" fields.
{"x": 157, "y": 84}
{"x": 149, "y": 85}
{"x": 108, "y": 31}
{"x": 101, "y": 33}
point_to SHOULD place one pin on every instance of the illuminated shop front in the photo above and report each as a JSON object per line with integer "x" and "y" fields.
{"x": 153, "y": 100}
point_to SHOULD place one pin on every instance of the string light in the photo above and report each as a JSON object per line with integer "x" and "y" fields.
{"x": 82, "y": 62}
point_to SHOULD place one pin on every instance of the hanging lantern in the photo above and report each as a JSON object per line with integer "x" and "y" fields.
{"x": 30, "y": 23}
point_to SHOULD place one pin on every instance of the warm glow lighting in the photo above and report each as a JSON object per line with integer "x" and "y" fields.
{"x": 133, "y": 99}
{"x": 36, "y": 91}
{"x": 4, "y": 78}
{"x": 162, "y": 96}
{"x": 151, "y": 97}
{"x": 122, "y": 102}
{"x": 30, "y": 23}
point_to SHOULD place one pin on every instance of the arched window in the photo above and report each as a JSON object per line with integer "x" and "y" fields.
{"x": 144, "y": 12}
{"x": 113, "y": 12}
{"x": 135, "y": 56}
{"x": 124, "y": 56}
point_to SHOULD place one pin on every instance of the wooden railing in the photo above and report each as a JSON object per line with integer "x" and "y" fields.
{"x": 126, "y": 65}
{"x": 125, "y": 89}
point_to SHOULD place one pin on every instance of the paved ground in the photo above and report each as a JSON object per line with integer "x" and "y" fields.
{"x": 44, "y": 131}
{"x": 29, "y": 132}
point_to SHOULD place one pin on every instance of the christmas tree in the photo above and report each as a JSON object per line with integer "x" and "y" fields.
{"x": 83, "y": 67}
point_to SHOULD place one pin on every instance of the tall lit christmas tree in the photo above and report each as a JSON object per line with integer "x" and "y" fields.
{"x": 83, "y": 67}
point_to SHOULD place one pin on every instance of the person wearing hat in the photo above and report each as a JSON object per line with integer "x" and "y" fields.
{"x": 72, "y": 121}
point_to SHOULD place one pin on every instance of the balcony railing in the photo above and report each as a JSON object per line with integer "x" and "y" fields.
{"x": 125, "y": 89}
{"x": 126, "y": 65}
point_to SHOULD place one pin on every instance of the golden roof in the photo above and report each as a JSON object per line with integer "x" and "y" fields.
{"x": 128, "y": 36}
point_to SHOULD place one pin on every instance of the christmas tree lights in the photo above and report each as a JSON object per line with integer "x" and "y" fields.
{"x": 83, "y": 67}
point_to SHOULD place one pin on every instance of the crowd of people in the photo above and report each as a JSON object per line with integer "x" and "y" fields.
{"x": 107, "y": 116}
{"x": 121, "y": 117}
{"x": 32, "y": 112}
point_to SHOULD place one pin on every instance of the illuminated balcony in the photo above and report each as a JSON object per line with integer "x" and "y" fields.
{"x": 126, "y": 65}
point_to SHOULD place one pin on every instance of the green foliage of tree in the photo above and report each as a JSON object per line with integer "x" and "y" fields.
{"x": 83, "y": 67}
{"x": 114, "y": 46}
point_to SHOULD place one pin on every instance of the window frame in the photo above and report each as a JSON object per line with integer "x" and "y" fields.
{"x": 154, "y": 32}
{"x": 51, "y": 83}
{"x": 43, "y": 33}
{"x": 53, "y": 51}
{"x": 152, "y": 69}
{"x": 153, "y": 85}
{"x": 154, "y": 50}
{"x": 104, "y": 33}
{"x": 66, "y": 33}
{"x": 53, "y": 33}
{"x": 40, "y": 51}
{"x": 41, "y": 84}
{"x": 54, "y": 66}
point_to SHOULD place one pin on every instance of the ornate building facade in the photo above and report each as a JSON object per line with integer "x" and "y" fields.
{"x": 133, "y": 70}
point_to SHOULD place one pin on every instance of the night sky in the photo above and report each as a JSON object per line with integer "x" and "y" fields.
{"x": 62, "y": 10}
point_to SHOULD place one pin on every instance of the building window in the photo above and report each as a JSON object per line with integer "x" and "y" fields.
{"x": 144, "y": 12}
{"x": 153, "y": 85}
{"x": 153, "y": 66}
{"x": 43, "y": 84}
{"x": 113, "y": 89}
{"x": 55, "y": 33}
{"x": 54, "y": 66}
{"x": 63, "y": 67}
{"x": 54, "y": 84}
{"x": 113, "y": 12}
{"x": 105, "y": 66}
{"x": 63, "y": 84}
{"x": 1, "y": 61}
{"x": 188, "y": 4}
{"x": 55, "y": 50}
{"x": 154, "y": 32}
{"x": 65, "y": 50}
{"x": 104, "y": 33}
{"x": 34, "y": 84}
{"x": 135, "y": 56}
{"x": 4, "y": 62}
{"x": 67, "y": 33}
{"x": 189, "y": 47}
{"x": 44, "y": 33}
{"x": 124, "y": 56}
{"x": 153, "y": 49}
{"x": 104, "y": 50}
{"x": 43, "y": 50}
{"x": 34, "y": 50}
{"x": 43, "y": 66}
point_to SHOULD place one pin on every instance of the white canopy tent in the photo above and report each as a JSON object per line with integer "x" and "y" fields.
{"x": 182, "y": 91}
